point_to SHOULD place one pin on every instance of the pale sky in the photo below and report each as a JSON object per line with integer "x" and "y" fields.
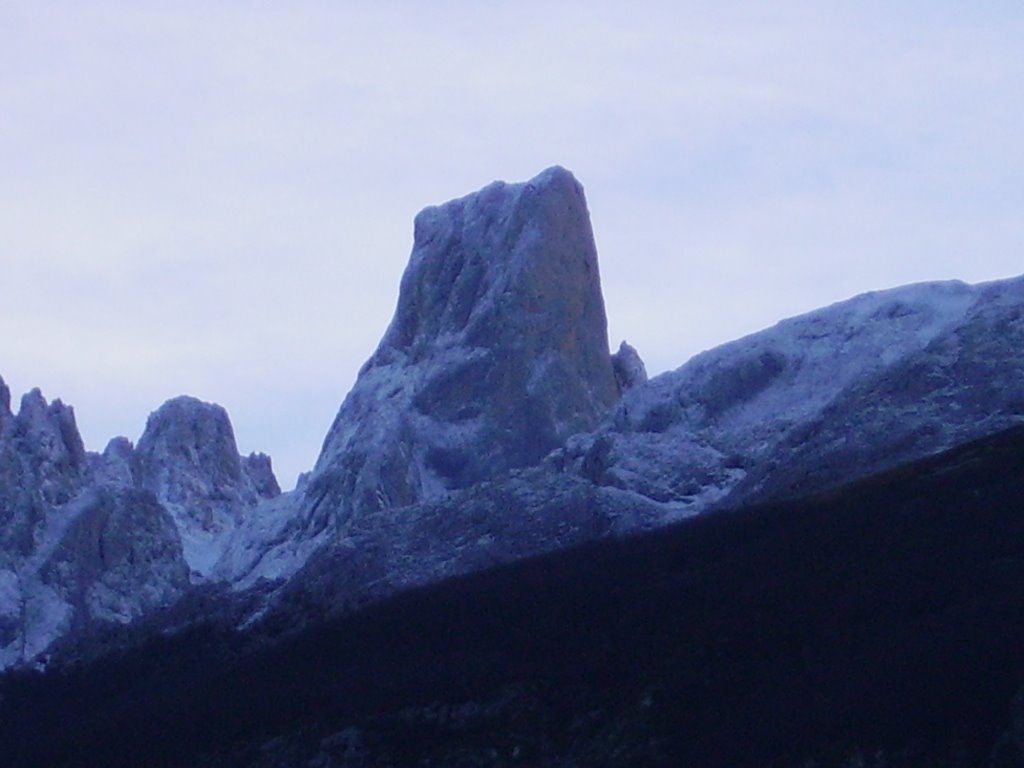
{"x": 216, "y": 199}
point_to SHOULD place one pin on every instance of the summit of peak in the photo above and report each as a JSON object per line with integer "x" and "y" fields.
{"x": 497, "y": 352}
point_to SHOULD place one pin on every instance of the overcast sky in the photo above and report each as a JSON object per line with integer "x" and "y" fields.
{"x": 217, "y": 198}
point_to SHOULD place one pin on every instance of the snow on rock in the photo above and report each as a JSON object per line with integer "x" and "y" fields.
{"x": 42, "y": 464}
{"x": 119, "y": 558}
{"x": 271, "y": 544}
{"x": 87, "y": 537}
{"x": 490, "y": 424}
{"x": 801, "y": 394}
{"x": 187, "y": 457}
{"x": 497, "y": 352}
{"x": 965, "y": 382}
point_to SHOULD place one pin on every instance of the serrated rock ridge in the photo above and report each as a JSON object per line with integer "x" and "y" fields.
{"x": 90, "y": 538}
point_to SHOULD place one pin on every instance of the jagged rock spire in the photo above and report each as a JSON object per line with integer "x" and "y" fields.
{"x": 187, "y": 457}
{"x": 498, "y": 351}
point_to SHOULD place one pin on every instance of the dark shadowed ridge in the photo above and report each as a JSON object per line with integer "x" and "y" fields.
{"x": 878, "y": 622}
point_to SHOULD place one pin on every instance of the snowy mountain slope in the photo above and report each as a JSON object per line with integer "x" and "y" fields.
{"x": 967, "y": 382}
{"x": 99, "y": 537}
{"x": 816, "y": 401}
{"x": 732, "y": 422}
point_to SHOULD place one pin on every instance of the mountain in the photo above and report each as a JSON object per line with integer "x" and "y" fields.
{"x": 497, "y": 353}
{"x": 876, "y": 625}
{"x": 491, "y": 424}
{"x": 108, "y": 538}
{"x": 820, "y": 399}
{"x": 188, "y": 460}
{"x": 815, "y": 402}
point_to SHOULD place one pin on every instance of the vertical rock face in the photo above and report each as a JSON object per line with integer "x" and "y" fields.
{"x": 498, "y": 351}
{"x": 118, "y": 558}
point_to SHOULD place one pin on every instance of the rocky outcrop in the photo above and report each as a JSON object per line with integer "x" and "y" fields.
{"x": 629, "y": 369}
{"x": 498, "y": 351}
{"x": 119, "y": 558}
{"x": 188, "y": 459}
{"x": 42, "y": 465}
{"x": 50, "y": 581}
{"x": 111, "y": 537}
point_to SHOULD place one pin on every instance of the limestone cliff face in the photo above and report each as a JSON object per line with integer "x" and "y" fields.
{"x": 498, "y": 351}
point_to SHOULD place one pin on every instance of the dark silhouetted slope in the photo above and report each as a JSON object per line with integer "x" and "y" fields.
{"x": 885, "y": 618}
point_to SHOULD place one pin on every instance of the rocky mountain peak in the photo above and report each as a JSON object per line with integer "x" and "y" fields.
{"x": 47, "y": 452}
{"x": 108, "y": 537}
{"x": 52, "y": 425}
{"x": 187, "y": 457}
{"x": 498, "y": 351}
{"x": 115, "y": 466}
{"x": 257, "y": 466}
{"x": 629, "y": 368}
{"x": 183, "y": 437}
{"x": 5, "y": 403}
{"x": 508, "y": 260}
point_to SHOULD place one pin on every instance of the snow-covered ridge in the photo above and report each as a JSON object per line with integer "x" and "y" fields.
{"x": 719, "y": 426}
